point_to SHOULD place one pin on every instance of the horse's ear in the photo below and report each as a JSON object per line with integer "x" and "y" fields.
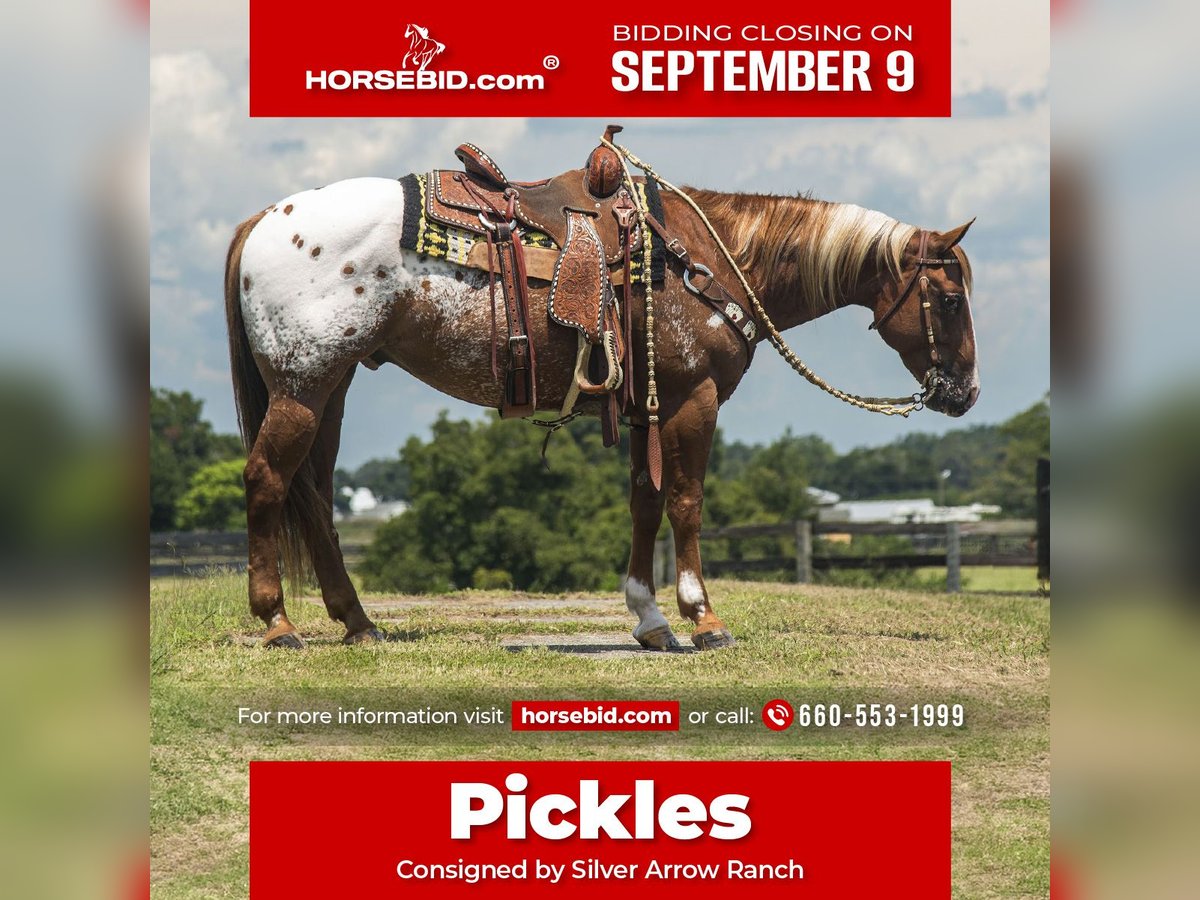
{"x": 949, "y": 238}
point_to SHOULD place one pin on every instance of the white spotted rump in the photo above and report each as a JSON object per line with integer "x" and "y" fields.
{"x": 322, "y": 272}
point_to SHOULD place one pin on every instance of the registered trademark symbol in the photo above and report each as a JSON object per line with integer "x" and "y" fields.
{"x": 550, "y": 62}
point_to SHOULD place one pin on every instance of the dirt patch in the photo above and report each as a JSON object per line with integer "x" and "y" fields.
{"x": 603, "y": 644}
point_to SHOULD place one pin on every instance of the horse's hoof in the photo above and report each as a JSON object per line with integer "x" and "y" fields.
{"x": 661, "y": 638}
{"x": 370, "y": 635}
{"x": 717, "y": 639}
{"x": 289, "y": 640}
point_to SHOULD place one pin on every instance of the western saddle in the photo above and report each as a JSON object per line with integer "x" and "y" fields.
{"x": 594, "y": 226}
{"x": 591, "y": 220}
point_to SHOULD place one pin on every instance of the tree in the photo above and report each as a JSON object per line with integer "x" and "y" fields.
{"x": 181, "y": 442}
{"x": 1011, "y": 485}
{"x": 485, "y": 508}
{"x": 215, "y": 499}
{"x": 342, "y": 479}
{"x": 387, "y": 479}
{"x": 486, "y": 513}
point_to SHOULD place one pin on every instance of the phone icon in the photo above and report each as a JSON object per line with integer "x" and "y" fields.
{"x": 777, "y": 714}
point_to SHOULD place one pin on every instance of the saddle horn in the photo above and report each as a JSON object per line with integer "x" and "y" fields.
{"x": 603, "y": 168}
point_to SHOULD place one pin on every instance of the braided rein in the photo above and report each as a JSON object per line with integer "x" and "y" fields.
{"x": 888, "y": 406}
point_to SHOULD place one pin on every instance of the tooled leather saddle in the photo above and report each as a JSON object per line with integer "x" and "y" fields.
{"x": 590, "y": 228}
{"x": 580, "y": 234}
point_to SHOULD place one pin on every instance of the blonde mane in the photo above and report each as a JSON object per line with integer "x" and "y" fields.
{"x": 819, "y": 249}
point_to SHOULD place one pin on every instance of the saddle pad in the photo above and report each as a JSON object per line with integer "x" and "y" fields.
{"x": 426, "y": 234}
{"x": 652, "y": 198}
{"x": 581, "y": 289}
{"x": 440, "y": 241}
{"x": 450, "y": 202}
{"x": 456, "y": 199}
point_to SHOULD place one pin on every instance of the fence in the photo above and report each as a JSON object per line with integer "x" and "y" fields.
{"x": 1043, "y": 519}
{"x": 951, "y": 545}
{"x": 195, "y": 552}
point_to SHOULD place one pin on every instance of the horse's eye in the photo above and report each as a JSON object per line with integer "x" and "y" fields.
{"x": 951, "y": 302}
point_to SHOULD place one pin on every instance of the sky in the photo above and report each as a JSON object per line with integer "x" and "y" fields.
{"x": 212, "y": 166}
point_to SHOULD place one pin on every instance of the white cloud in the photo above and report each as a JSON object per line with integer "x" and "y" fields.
{"x": 1001, "y": 47}
{"x": 932, "y": 173}
{"x": 213, "y": 166}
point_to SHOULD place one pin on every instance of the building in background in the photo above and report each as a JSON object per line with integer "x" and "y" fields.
{"x": 832, "y": 508}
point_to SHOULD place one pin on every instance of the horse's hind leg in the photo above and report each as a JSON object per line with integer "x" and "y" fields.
{"x": 337, "y": 590}
{"x": 283, "y": 442}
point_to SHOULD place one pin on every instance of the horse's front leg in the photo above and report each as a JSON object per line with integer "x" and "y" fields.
{"x": 687, "y": 440}
{"x": 646, "y": 509}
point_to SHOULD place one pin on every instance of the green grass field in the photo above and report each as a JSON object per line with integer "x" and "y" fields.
{"x": 989, "y": 579}
{"x": 808, "y": 644}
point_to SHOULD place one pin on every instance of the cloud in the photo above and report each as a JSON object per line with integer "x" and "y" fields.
{"x": 213, "y": 166}
{"x": 1001, "y": 47}
{"x": 934, "y": 172}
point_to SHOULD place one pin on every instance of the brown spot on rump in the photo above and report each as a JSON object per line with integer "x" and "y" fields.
{"x": 381, "y": 273}
{"x": 359, "y": 289}
{"x": 295, "y": 237}
{"x": 287, "y": 210}
{"x": 316, "y": 251}
{"x": 425, "y": 285}
{"x": 246, "y": 283}
{"x": 350, "y": 332}
{"x": 299, "y": 243}
{"x": 347, "y": 269}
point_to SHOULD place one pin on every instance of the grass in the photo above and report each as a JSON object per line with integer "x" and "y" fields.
{"x": 989, "y": 652}
{"x": 990, "y": 579}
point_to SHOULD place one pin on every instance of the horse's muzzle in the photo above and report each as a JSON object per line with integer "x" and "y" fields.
{"x": 954, "y": 395}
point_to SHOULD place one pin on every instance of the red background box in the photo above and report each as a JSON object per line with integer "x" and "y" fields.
{"x": 860, "y": 829}
{"x": 290, "y": 37}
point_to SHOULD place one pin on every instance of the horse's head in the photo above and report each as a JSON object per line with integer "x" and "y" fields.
{"x": 925, "y": 316}
{"x": 416, "y": 31}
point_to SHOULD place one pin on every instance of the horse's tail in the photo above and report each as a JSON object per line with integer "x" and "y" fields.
{"x": 249, "y": 390}
{"x": 303, "y": 507}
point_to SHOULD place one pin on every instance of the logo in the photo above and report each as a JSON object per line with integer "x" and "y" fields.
{"x": 421, "y": 47}
{"x": 778, "y": 714}
{"x": 416, "y": 72}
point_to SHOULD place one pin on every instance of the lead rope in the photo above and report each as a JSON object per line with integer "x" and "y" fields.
{"x": 653, "y": 439}
{"x": 888, "y": 406}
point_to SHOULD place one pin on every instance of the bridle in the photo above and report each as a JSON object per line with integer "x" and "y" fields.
{"x": 933, "y": 376}
{"x": 888, "y": 406}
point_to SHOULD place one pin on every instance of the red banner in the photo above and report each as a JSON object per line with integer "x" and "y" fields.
{"x": 864, "y": 58}
{"x": 595, "y": 715}
{"x": 574, "y": 830}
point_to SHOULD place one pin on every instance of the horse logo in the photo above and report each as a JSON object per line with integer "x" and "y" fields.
{"x": 421, "y": 47}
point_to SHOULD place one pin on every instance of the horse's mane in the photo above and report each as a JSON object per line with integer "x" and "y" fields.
{"x": 817, "y": 249}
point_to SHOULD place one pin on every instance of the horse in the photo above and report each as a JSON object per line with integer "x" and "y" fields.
{"x": 317, "y": 285}
{"x": 421, "y": 48}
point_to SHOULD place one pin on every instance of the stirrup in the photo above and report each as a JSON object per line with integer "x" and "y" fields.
{"x": 616, "y": 374}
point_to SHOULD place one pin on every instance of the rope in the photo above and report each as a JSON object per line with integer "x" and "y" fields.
{"x": 888, "y": 406}
{"x": 551, "y": 426}
{"x": 627, "y": 178}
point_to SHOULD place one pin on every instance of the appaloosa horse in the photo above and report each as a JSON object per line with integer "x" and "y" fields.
{"x": 318, "y": 283}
